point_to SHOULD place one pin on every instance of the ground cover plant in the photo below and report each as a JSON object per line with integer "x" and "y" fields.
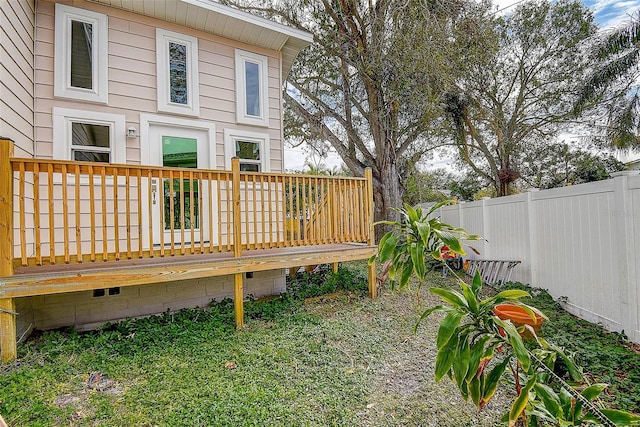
{"x": 609, "y": 357}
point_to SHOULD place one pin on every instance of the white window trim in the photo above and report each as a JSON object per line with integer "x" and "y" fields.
{"x": 62, "y": 59}
{"x": 163, "y": 38}
{"x": 241, "y": 108}
{"x": 62, "y": 119}
{"x": 232, "y": 135}
{"x": 149, "y": 119}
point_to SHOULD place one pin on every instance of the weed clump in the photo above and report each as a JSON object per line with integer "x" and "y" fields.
{"x": 301, "y": 286}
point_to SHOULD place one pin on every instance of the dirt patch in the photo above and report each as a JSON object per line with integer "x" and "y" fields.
{"x": 78, "y": 402}
{"x": 68, "y": 399}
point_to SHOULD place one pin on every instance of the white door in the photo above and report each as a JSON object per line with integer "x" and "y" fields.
{"x": 179, "y": 147}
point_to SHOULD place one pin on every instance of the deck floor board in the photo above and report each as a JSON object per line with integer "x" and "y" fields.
{"x": 58, "y": 278}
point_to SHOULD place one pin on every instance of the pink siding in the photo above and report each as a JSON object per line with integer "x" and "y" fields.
{"x": 132, "y": 78}
{"x": 16, "y": 74}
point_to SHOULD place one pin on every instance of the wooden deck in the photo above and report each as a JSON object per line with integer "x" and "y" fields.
{"x": 82, "y": 226}
{"x": 59, "y": 278}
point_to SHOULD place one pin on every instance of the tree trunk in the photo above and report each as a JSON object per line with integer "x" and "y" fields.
{"x": 387, "y": 195}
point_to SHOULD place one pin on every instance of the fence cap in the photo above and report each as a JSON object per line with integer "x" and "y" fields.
{"x": 625, "y": 173}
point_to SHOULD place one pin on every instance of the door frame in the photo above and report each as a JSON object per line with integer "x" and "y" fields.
{"x": 205, "y": 161}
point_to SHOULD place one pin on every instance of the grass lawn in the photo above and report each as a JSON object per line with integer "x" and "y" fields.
{"x": 344, "y": 360}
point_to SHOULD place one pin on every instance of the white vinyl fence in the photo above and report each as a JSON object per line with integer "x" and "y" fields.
{"x": 580, "y": 243}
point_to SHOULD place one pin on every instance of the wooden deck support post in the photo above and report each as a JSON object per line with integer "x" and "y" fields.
{"x": 335, "y": 267}
{"x": 8, "y": 339}
{"x": 373, "y": 288}
{"x": 238, "y": 292}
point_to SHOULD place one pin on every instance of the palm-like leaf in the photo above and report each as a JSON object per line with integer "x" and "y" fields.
{"x": 617, "y": 57}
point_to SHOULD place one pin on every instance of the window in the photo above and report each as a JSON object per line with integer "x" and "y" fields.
{"x": 177, "y": 68}
{"x": 251, "y": 148}
{"x": 90, "y": 142}
{"x": 88, "y": 136}
{"x": 81, "y": 52}
{"x": 252, "y": 105}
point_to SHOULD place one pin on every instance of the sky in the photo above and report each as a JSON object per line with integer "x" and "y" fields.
{"x": 608, "y": 14}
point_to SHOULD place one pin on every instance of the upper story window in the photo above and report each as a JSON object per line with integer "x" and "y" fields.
{"x": 177, "y": 68}
{"x": 88, "y": 136}
{"x": 252, "y": 106}
{"x": 251, "y": 148}
{"x": 81, "y": 55}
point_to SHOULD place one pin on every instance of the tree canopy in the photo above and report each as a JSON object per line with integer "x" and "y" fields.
{"x": 517, "y": 97}
{"x": 373, "y": 82}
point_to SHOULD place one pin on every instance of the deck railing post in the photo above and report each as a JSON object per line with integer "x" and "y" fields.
{"x": 6, "y": 208}
{"x": 238, "y": 292}
{"x": 8, "y": 343}
{"x": 373, "y": 288}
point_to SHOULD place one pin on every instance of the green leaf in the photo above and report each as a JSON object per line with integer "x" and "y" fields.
{"x": 387, "y": 246}
{"x": 464, "y": 390}
{"x": 452, "y": 297}
{"x": 438, "y": 206}
{"x": 424, "y": 229}
{"x": 621, "y": 418}
{"x": 417, "y": 256}
{"x": 491, "y": 384}
{"x": 470, "y": 296}
{"x": 405, "y": 276}
{"x": 531, "y": 311}
{"x": 395, "y": 224}
{"x": 448, "y": 327}
{"x": 412, "y": 214}
{"x": 428, "y": 312}
{"x": 521, "y": 401}
{"x": 510, "y": 295}
{"x": 445, "y": 357}
{"x": 550, "y": 399}
{"x": 516, "y": 343}
{"x": 477, "y": 350}
{"x": 566, "y": 400}
{"x": 452, "y": 242}
{"x": 573, "y": 370}
{"x": 588, "y": 393}
{"x": 593, "y": 391}
{"x": 372, "y": 259}
{"x": 461, "y": 362}
{"x": 475, "y": 390}
{"x": 476, "y": 285}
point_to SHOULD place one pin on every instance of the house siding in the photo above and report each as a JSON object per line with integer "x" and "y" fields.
{"x": 132, "y": 92}
{"x": 16, "y": 74}
{"x": 132, "y": 79}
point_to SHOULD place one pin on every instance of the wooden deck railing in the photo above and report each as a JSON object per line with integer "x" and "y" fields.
{"x": 75, "y": 212}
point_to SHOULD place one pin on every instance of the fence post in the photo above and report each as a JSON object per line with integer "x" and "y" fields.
{"x": 532, "y": 238}
{"x": 486, "y": 232}
{"x": 238, "y": 291}
{"x": 373, "y": 287}
{"x": 8, "y": 338}
{"x": 625, "y": 235}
